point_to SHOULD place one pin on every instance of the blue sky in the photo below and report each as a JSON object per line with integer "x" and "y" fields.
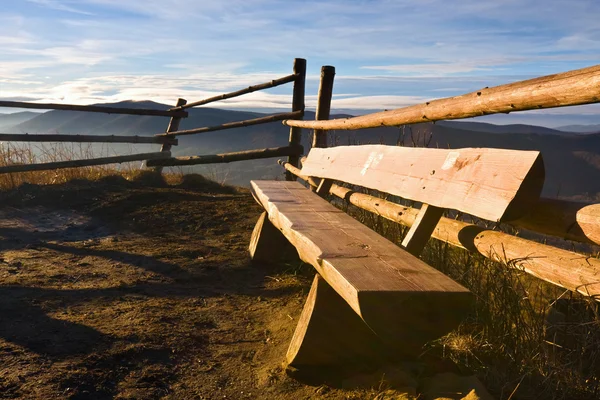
{"x": 387, "y": 53}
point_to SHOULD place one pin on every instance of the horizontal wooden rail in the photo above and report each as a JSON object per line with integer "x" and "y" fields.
{"x": 249, "y": 89}
{"x": 82, "y": 163}
{"x": 566, "y": 89}
{"x": 98, "y": 109}
{"x": 228, "y": 157}
{"x": 14, "y": 137}
{"x": 238, "y": 124}
{"x": 564, "y": 268}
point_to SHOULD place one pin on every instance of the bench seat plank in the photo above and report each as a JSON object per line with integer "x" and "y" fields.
{"x": 385, "y": 285}
{"x": 482, "y": 182}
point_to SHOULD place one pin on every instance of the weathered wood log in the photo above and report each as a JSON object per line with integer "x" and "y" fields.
{"x": 249, "y": 89}
{"x": 51, "y": 138}
{"x": 323, "y": 104}
{"x": 82, "y": 163}
{"x": 97, "y": 109}
{"x": 385, "y": 285}
{"x": 571, "y": 220}
{"x": 173, "y": 126}
{"x": 229, "y": 157}
{"x": 475, "y": 181}
{"x": 237, "y": 124}
{"x": 560, "y": 90}
{"x": 297, "y": 106}
{"x": 296, "y": 172}
{"x": 329, "y": 333}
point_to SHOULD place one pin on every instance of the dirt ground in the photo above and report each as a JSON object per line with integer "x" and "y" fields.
{"x": 117, "y": 289}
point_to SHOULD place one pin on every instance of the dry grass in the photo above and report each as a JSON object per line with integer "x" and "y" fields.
{"x": 525, "y": 338}
{"x": 11, "y": 154}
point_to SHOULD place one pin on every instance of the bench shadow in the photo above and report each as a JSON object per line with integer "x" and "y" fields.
{"x": 19, "y": 239}
{"x": 26, "y": 324}
{"x": 148, "y": 263}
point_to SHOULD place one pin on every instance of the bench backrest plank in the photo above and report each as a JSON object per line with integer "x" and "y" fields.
{"x": 487, "y": 183}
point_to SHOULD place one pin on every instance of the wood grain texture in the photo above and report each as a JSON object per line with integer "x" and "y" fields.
{"x": 249, "y": 89}
{"x": 384, "y": 284}
{"x": 488, "y": 183}
{"x": 560, "y": 90}
{"x": 564, "y": 268}
{"x": 267, "y": 244}
{"x": 82, "y": 163}
{"x": 97, "y": 109}
{"x": 229, "y": 157}
{"x": 571, "y": 220}
{"x": 330, "y": 334}
{"x": 419, "y": 233}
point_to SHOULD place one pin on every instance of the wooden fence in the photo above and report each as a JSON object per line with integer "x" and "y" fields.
{"x": 575, "y": 221}
{"x": 169, "y": 138}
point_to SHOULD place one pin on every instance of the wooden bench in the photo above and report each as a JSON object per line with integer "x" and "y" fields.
{"x": 372, "y": 300}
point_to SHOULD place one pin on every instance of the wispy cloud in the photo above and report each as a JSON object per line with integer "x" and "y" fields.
{"x": 387, "y": 53}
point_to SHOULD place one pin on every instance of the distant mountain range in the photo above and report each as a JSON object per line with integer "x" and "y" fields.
{"x": 572, "y": 157}
{"x": 8, "y": 121}
{"x": 581, "y": 128}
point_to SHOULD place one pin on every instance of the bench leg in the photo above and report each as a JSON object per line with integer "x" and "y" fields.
{"x": 267, "y": 243}
{"x": 330, "y": 336}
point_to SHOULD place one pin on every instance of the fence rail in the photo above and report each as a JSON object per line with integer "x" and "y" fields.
{"x": 237, "y": 124}
{"x": 249, "y": 89}
{"x": 229, "y": 157}
{"x": 96, "y": 109}
{"x": 17, "y": 137}
{"x": 560, "y": 90}
{"x": 83, "y": 163}
{"x": 168, "y": 138}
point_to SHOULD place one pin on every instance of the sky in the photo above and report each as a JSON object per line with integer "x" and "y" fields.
{"x": 387, "y": 54}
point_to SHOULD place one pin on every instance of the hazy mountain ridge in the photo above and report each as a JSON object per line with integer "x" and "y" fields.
{"x": 7, "y": 121}
{"x": 571, "y": 159}
{"x": 595, "y": 128}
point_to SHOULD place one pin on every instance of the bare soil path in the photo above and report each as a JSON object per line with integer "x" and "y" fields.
{"x": 140, "y": 290}
{"x": 114, "y": 289}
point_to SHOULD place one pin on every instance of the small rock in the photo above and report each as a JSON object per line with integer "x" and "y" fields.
{"x": 449, "y": 386}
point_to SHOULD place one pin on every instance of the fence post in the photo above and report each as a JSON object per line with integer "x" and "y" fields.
{"x": 297, "y": 105}
{"x": 324, "y": 104}
{"x": 173, "y": 126}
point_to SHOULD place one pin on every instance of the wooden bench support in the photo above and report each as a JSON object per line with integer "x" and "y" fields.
{"x": 267, "y": 243}
{"x": 417, "y": 237}
{"x": 329, "y": 333}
